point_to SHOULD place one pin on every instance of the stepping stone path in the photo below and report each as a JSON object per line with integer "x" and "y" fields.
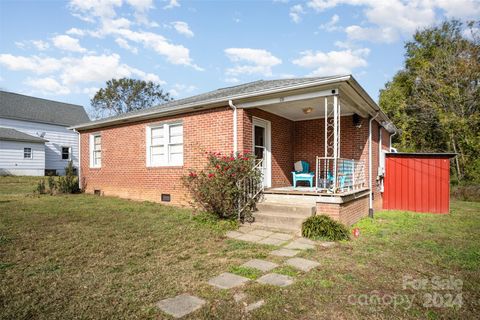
{"x": 276, "y": 279}
{"x": 302, "y": 264}
{"x": 254, "y": 306}
{"x": 284, "y": 252}
{"x": 185, "y": 304}
{"x": 299, "y": 244}
{"x": 261, "y": 265}
{"x": 328, "y": 244}
{"x": 259, "y": 236}
{"x": 227, "y": 280}
{"x": 180, "y": 305}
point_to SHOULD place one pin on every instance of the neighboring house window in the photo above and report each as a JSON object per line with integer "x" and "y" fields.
{"x": 95, "y": 150}
{"x": 27, "y": 153}
{"x": 165, "y": 145}
{"x": 66, "y": 153}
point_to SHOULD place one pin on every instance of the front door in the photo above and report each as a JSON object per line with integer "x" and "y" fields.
{"x": 261, "y": 148}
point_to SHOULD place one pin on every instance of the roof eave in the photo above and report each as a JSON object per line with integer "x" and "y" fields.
{"x": 211, "y": 103}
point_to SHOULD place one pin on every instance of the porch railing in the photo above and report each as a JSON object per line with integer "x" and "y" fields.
{"x": 338, "y": 175}
{"x": 250, "y": 189}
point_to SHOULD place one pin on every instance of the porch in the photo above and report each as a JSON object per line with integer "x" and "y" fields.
{"x": 331, "y": 130}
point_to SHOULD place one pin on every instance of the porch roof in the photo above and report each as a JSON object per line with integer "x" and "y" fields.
{"x": 241, "y": 93}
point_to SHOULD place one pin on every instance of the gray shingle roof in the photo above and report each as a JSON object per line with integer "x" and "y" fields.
{"x": 21, "y": 107}
{"x": 14, "y": 135}
{"x": 222, "y": 93}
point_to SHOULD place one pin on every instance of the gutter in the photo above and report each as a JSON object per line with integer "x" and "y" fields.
{"x": 235, "y": 140}
{"x": 370, "y": 199}
{"x": 390, "y": 146}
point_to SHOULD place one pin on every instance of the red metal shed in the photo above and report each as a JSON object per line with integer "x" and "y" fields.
{"x": 417, "y": 182}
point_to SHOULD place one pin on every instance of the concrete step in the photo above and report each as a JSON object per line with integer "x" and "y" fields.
{"x": 295, "y": 230}
{"x": 280, "y": 219}
{"x": 290, "y": 198}
{"x": 294, "y": 209}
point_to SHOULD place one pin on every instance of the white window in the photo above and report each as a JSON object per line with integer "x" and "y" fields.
{"x": 27, "y": 153}
{"x": 165, "y": 145}
{"x": 95, "y": 150}
{"x": 66, "y": 153}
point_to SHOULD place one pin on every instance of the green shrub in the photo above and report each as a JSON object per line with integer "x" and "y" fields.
{"x": 466, "y": 192}
{"x": 323, "y": 227}
{"x": 40, "y": 189}
{"x": 216, "y": 188}
{"x": 69, "y": 182}
{"x": 52, "y": 184}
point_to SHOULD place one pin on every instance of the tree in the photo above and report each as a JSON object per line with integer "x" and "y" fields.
{"x": 125, "y": 95}
{"x": 435, "y": 99}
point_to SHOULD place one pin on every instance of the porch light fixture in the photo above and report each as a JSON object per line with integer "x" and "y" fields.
{"x": 307, "y": 110}
{"x": 357, "y": 120}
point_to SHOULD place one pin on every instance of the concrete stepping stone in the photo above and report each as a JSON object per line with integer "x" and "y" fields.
{"x": 275, "y": 279}
{"x": 261, "y": 265}
{"x": 306, "y": 240}
{"x": 227, "y": 280}
{"x": 271, "y": 241}
{"x": 328, "y": 244}
{"x": 233, "y": 234}
{"x": 284, "y": 252}
{"x": 261, "y": 233}
{"x": 301, "y": 264}
{"x": 254, "y": 306}
{"x": 281, "y": 236}
{"x": 180, "y": 305}
{"x": 249, "y": 237}
{"x": 299, "y": 245}
{"x": 238, "y": 297}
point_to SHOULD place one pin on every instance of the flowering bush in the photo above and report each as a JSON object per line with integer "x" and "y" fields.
{"x": 216, "y": 188}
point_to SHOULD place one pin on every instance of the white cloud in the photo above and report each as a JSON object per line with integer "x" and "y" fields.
{"x": 387, "y": 35}
{"x": 466, "y": 9}
{"x": 37, "y": 44}
{"x": 182, "y": 28}
{"x": 98, "y": 8}
{"x": 332, "y": 24}
{"x": 47, "y": 86}
{"x": 179, "y": 90}
{"x": 40, "y": 44}
{"x": 259, "y": 61}
{"x": 75, "y": 32}
{"x": 35, "y": 64}
{"x": 122, "y": 28}
{"x": 387, "y": 20}
{"x": 67, "y": 43}
{"x": 296, "y": 12}
{"x": 333, "y": 62}
{"x": 73, "y": 72}
{"x": 124, "y": 44}
{"x": 172, "y": 4}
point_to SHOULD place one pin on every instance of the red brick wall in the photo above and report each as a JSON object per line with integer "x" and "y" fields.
{"x": 124, "y": 172}
{"x": 347, "y": 213}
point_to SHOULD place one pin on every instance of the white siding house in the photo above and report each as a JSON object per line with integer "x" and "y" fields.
{"x": 44, "y": 119}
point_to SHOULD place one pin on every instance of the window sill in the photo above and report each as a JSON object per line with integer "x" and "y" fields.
{"x": 180, "y": 166}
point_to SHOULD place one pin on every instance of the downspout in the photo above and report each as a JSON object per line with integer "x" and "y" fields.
{"x": 234, "y": 108}
{"x": 391, "y": 136}
{"x": 79, "y": 161}
{"x": 370, "y": 200}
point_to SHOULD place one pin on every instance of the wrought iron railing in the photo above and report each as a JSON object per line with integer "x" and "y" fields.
{"x": 251, "y": 189}
{"x": 339, "y": 175}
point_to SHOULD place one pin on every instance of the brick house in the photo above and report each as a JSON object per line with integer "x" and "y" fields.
{"x": 329, "y": 122}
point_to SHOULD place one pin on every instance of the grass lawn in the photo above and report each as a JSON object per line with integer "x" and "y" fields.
{"x": 84, "y": 256}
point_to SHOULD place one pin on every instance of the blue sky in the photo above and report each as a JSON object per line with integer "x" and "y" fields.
{"x": 66, "y": 50}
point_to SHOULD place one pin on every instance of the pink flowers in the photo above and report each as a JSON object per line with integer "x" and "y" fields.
{"x": 192, "y": 175}
{"x": 211, "y": 175}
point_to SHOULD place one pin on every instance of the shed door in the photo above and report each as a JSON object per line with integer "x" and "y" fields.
{"x": 417, "y": 183}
